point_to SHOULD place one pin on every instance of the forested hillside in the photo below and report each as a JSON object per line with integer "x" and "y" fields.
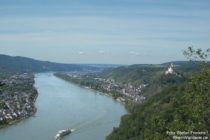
{"x": 22, "y": 64}
{"x": 152, "y": 75}
{"x": 182, "y": 107}
{"x": 147, "y": 73}
{"x": 179, "y": 111}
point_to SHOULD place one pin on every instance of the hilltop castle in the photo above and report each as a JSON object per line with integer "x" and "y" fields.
{"x": 170, "y": 70}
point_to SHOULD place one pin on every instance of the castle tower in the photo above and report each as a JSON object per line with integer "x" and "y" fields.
{"x": 170, "y": 70}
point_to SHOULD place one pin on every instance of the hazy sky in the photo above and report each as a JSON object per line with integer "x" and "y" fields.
{"x": 103, "y": 31}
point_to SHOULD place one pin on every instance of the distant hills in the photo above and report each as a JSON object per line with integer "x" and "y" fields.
{"x": 23, "y": 64}
{"x": 151, "y": 74}
{"x": 17, "y": 64}
{"x": 144, "y": 73}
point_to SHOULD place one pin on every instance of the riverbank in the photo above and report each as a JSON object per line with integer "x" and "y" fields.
{"x": 17, "y": 121}
{"x": 17, "y": 99}
{"x": 62, "y": 105}
{"x": 122, "y": 99}
{"x": 104, "y": 93}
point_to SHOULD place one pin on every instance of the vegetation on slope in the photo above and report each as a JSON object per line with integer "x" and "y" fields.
{"x": 177, "y": 108}
{"x": 152, "y": 75}
{"x": 136, "y": 74}
{"x": 22, "y": 64}
{"x": 181, "y": 107}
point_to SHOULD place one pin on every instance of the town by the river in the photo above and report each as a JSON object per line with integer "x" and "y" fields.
{"x": 62, "y": 105}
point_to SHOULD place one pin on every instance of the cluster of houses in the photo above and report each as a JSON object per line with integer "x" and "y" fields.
{"x": 16, "y": 79}
{"x": 76, "y": 74}
{"x": 134, "y": 93}
{"x": 109, "y": 85}
{"x": 126, "y": 89}
{"x": 16, "y": 104}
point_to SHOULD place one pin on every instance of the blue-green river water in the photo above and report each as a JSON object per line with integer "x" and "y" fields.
{"x": 62, "y": 105}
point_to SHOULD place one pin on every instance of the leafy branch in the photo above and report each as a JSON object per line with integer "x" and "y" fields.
{"x": 197, "y": 55}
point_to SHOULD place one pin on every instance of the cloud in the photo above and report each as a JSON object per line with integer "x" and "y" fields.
{"x": 134, "y": 53}
{"x": 81, "y": 53}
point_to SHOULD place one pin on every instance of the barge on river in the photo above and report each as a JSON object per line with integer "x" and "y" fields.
{"x": 63, "y": 133}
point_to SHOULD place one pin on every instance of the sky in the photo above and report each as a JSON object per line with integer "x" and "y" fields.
{"x": 103, "y": 31}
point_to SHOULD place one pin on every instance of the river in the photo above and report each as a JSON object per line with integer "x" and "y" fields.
{"x": 62, "y": 105}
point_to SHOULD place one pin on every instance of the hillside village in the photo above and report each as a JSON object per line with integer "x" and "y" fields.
{"x": 107, "y": 86}
{"x": 120, "y": 91}
{"x": 17, "y": 96}
{"x": 127, "y": 89}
